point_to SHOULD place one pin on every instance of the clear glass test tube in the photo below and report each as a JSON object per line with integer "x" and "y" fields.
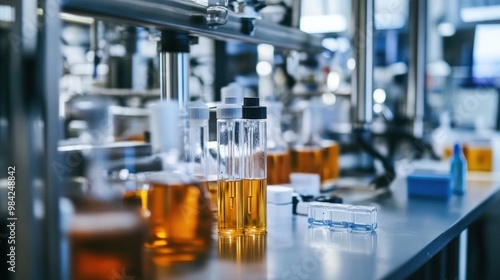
{"x": 229, "y": 168}
{"x": 254, "y": 166}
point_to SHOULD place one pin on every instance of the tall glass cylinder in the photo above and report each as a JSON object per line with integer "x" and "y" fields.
{"x": 254, "y": 165}
{"x": 229, "y": 169}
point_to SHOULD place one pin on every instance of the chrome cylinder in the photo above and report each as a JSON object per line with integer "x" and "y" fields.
{"x": 174, "y": 77}
{"x": 362, "y": 77}
{"x": 414, "y": 101}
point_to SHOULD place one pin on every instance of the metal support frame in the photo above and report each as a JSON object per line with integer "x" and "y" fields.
{"x": 362, "y": 76}
{"x": 414, "y": 102}
{"x": 49, "y": 73}
{"x": 25, "y": 155}
{"x": 444, "y": 265}
{"x": 188, "y": 16}
{"x": 33, "y": 133}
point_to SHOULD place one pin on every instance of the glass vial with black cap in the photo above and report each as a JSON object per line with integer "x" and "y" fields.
{"x": 254, "y": 166}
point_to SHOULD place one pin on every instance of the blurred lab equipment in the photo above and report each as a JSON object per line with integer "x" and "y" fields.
{"x": 198, "y": 115}
{"x": 278, "y": 155}
{"x": 311, "y": 153}
{"x": 103, "y": 236}
{"x": 180, "y": 220}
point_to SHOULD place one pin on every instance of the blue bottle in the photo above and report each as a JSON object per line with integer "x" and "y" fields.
{"x": 458, "y": 170}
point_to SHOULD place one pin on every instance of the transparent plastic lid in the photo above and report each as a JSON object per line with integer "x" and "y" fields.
{"x": 230, "y": 109}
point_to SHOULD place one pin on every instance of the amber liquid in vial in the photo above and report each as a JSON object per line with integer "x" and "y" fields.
{"x": 212, "y": 189}
{"x": 254, "y": 205}
{"x": 106, "y": 245}
{"x": 278, "y": 168}
{"x": 230, "y": 207}
{"x": 180, "y": 221}
{"x": 136, "y": 199}
{"x": 479, "y": 158}
{"x": 330, "y": 161}
{"x": 307, "y": 160}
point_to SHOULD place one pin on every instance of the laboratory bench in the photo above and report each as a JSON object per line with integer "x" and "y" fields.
{"x": 415, "y": 238}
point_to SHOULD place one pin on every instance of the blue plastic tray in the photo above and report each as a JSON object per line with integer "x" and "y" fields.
{"x": 429, "y": 184}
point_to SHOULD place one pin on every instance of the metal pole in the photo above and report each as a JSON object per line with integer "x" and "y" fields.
{"x": 163, "y": 76}
{"x": 49, "y": 73}
{"x": 414, "y": 103}
{"x": 296, "y": 13}
{"x": 33, "y": 134}
{"x": 173, "y": 49}
{"x": 174, "y": 76}
{"x": 362, "y": 76}
{"x": 23, "y": 121}
{"x": 190, "y": 17}
{"x": 94, "y": 45}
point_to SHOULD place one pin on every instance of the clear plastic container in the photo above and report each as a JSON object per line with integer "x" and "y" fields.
{"x": 336, "y": 216}
{"x": 316, "y": 214}
{"x": 364, "y": 218}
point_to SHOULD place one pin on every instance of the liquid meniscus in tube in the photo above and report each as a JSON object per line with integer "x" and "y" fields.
{"x": 255, "y": 203}
{"x": 230, "y": 216}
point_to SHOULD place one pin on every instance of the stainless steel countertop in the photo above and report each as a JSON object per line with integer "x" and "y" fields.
{"x": 409, "y": 233}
